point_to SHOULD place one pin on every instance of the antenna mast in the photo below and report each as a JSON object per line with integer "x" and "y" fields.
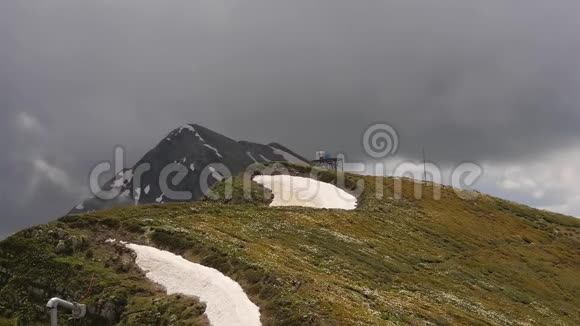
{"x": 424, "y": 167}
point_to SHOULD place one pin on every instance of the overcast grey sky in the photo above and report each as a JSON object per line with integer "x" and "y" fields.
{"x": 495, "y": 82}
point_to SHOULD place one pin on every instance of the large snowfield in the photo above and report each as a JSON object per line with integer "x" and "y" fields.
{"x": 299, "y": 191}
{"x": 227, "y": 304}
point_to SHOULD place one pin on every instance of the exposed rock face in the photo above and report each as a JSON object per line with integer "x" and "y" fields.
{"x": 198, "y": 151}
{"x": 60, "y": 247}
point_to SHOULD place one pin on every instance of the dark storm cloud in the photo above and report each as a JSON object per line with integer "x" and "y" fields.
{"x": 494, "y": 80}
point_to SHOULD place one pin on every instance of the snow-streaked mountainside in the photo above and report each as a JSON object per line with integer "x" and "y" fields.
{"x": 195, "y": 148}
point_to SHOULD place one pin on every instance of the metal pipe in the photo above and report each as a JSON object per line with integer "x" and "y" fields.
{"x": 78, "y": 310}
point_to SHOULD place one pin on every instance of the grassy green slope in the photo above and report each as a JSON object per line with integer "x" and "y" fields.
{"x": 391, "y": 261}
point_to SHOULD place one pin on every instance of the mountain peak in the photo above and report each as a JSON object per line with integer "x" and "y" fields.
{"x": 194, "y": 148}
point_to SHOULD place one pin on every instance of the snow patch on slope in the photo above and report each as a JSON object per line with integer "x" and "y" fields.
{"x": 213, "y": 149}
{"x": 186, "y": 127}
{"x": 298, "y": 191}
{"x": 251, "y": 156}
{"x": 199, "y": 137}
{"x": 137, "y": 195}
{"x": 215, "y": 174}
{"x": 227, "y": 303}
{"x": 123, "y": 178}
{"x": 192, "y": 129}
